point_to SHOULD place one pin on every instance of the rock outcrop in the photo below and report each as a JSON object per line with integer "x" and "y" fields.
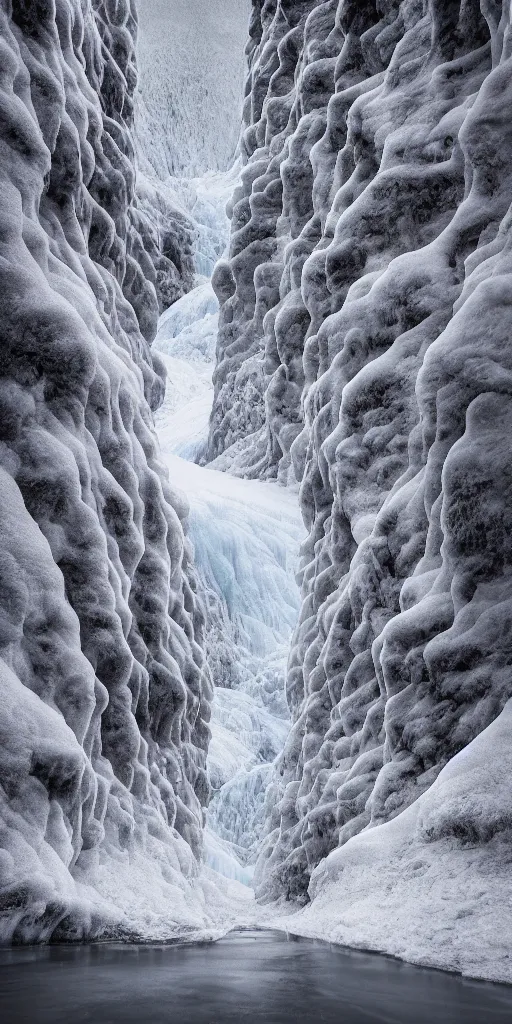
{"x": 104, "y": 694}
{"x": 364, "y": 352}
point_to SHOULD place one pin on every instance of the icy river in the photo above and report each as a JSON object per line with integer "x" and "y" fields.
{"x": 248, "y": 976}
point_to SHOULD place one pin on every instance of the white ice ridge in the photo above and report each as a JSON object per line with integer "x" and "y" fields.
{"x": 364, "y": 351}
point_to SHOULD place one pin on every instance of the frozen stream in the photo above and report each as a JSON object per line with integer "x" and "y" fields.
{"x": 246, "y": 536}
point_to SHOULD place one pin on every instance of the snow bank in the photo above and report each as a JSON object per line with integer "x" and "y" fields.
{"x": 433, "y": 885}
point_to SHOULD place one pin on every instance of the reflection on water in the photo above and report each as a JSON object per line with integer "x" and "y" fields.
{"x": 247, "y": 977}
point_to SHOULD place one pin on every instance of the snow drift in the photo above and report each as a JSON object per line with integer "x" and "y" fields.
{"x": 105, "y": 697}
{"x": 432, "y": 885}
{"x": 364, "y": 352}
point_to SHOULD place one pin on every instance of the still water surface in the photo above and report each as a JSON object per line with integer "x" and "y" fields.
{"x": 247, "y": 977}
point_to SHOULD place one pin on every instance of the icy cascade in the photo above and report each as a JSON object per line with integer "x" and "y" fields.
{"x": 246, "y": 538}
{"x": 187, "y": 126}
{"x": 187, "y": 331}
{"x": 191, "y": 59}
{"x": 363, "y": 349}
{"x": 104, "y": 708}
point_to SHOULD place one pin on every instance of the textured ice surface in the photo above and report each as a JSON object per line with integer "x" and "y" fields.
{"x": 433, "y": 885}
{"x": 364, "y": 351}
{"x": 104, "y": 707}
{"x": 246, "y": 536}
{"x": 191, "y": 59}
{"x": 184, "y": 315}
{"x": 202, "y": 202}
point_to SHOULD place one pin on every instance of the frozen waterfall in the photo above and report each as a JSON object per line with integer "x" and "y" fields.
{"x": 246, "y": 536}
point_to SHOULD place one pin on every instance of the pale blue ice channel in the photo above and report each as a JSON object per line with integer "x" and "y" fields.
{"x": 246, "y": 536}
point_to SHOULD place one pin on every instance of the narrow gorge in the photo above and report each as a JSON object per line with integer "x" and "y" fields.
{"x": 255, "y": 508}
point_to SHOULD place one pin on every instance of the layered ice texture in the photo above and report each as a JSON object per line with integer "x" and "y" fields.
{"x": 105, "y": 694}
{"x": 364, "y": 353}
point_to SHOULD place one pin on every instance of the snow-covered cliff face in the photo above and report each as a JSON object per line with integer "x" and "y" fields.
{"x": 189, "y": 98}
{"x": 104, "y": 694}
{"x": 364, "y": 349}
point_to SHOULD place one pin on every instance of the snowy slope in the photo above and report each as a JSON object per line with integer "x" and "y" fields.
{"x": 432, "y": 886}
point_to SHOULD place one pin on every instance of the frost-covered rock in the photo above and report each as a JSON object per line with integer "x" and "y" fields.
{"x": 104, "y": 707}
{"x": 172, "y": 233}
{"x": 363, "y": 350}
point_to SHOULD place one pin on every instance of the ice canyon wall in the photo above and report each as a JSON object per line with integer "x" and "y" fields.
{"x": 364, "y": 350}
{"x": 104, "y": 704}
